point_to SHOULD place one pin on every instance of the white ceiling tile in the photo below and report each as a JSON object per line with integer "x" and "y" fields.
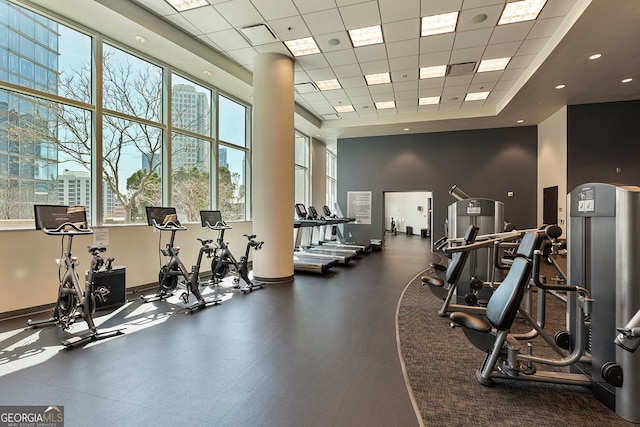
{"x": 394, "y": 10}
{"x": 512, "y": 74}
{"x": 501, "y": 50}
{"x": 437, "y": 43}
{"x": 183, "y": 23}
{"x": 481, "y": 87}
{"x": 338, "y": 94}
{"x": 468, "y": 16}
{"x": 504, "y": 84}
{"x": 313, "y": 97}
{"x": 239, "y": 13}
{"x": 426, "y": 92}
{"x": 351, "y": 82}
{"x": 458, "y": 80}
{"x": 333, "y": 41}
{"x": 273, "y": 48}
{"x": 341, "y": 3}
{"x": 243, "y": 56}
{"x": 488, "y": 77}
{"x": 350, "y": 70}
{"x": 341, "y": 57}
{"x": 544, "y": 27}
{"x": 271, "y": 9}
{"x": 403, "y": 49}
{"x": 325, "y": 21}
{"x": 361, "y": 100}
{"x": 472, "y": 4}
{"x": 404, "y": 86}
{"x": 360, "y": 15}
{"x": 290, "y": 28}
{"x": 401, "y": 30}
{"x": 371, "y": 53}
{"x": 511, "y": 32}
{"x": 301, "y": 76}
{"x": 471, "y": 54}
{"x": 431, "y": 83}
{"x": 161, "y": 8}
{"x": 533, "y": 46}
{"x": 408, "y": 95}
{"x": 433, "y": 59}
{"x": 556, "y": 8}
{"x": 521, "y": 61}
{"x": 361, "y": 91}
{"x": 307, "y": 6}
{"x": 381, "y": 89}
{"x": 435, "y": 7}
{"x": 228, "y": 39}
{"x": 404, "y": 63}
{"x": 374, "y": 67}
{"x": 472, "y": 38}
{"x": 312, "y": 62}
{"x": 321, "y": 74}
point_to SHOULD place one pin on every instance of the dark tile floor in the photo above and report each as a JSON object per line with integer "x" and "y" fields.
{"x": 319, "y": 352}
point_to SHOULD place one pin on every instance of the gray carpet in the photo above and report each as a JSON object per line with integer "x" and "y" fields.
{"x": 440, "y": 365}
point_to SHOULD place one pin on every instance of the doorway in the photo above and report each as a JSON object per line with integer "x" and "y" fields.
{"x": 409, "y": 210}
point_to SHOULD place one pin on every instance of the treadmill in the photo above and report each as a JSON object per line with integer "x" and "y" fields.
{"x": 304, "y": 238}
{"x": 330, "y": 216}
{"x": 310, "y": 264}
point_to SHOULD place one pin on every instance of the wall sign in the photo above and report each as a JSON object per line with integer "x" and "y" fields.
{"x": 359, "y": 206}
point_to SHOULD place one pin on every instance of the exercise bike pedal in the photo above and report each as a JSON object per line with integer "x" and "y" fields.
{"x": 199, "y": 305}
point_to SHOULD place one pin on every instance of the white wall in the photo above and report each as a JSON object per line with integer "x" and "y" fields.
{"x": 552, "y": 162}
{"x": 318, "y": 175}
{"x": 403, "y": 206}
{"x": 31, "y": 275}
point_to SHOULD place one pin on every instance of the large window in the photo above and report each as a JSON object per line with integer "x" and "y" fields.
{"x": 49, "y": 129}
{"x": 332, "y": 181}
{"x": 301, "y": 168}
{"x": 232, "y": 157}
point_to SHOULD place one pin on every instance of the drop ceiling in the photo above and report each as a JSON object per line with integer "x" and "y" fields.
{"x": 550, "y": 50}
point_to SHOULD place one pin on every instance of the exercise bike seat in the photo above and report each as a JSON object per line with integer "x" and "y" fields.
{"x": 249, "y": 236}
{"x": 95, "y": 249}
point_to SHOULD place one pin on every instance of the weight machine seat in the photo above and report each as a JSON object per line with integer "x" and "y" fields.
{"x": 505, "y": 301}
{"x": 457, "y": 263}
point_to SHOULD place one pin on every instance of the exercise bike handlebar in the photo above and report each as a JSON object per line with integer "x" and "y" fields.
{"x": 169, "y": 226}
{"x": 220, "y": 225}
{"x": 482, "y": 244}
{"x": 67, "y": 228}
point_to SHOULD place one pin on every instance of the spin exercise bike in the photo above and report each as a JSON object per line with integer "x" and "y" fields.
{"x": 174, "y": 271}
{"x": 73, "y": 302}
{"x": 223, "y": 259}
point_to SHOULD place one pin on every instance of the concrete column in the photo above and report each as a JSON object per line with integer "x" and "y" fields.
{"x": 273, "y": 166}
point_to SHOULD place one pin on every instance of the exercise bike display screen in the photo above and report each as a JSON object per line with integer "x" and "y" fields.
{"x": 161, "y": 215}
{"x": 211, "y": 217}
{"x": 51, "y": 217}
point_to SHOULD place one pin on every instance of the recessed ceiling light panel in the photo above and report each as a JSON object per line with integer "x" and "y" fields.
{"x": 476, "y": 96}
{"x": 430, "y": 100}
{"x": 385, "y": 105}
{"x": 438, "y": 24}
{"x": 493, "y": 64}
{"x": 377, "y": 79}
{"x": 519, "y": 11}
{"x": 301, "y": 47}
{"x": 432, "y": 72}
{"x": 628, "y": 80}
{"x": 344, "y": 108}
{"x": 328, "y": 84}
{"x": 366, "y": 36}
{"x": 182, "y": 5}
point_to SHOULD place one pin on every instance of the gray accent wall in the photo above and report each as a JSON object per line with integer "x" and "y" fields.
{"x": 600, "y": 139}
{"x": 485, "y": 163}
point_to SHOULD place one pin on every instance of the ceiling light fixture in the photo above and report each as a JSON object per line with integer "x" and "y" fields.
{"x": 476, "y": 96}
{"x": 328, "y": 84}
{"x": 519, "y": 11}
{"x": 182, "y": 5}
{"x": 430, "y": 100}
{"x": 366, "y": 36}
{"x": 520, "y": 121}
{"x": 438, "y": 24}
{"x": 431, "y": 72}
{"x": 561, "y": 86}
{"x": 377, "y": 79}
{"x": 141, "y": 39}
{"x": 344, "y": 108}
{"x": 301, "y": 47}
{"x": 627, "y": 80}
{"x": 385, "y": 105}
{"x": 595, "y": 56}
{"x": 493, "y": 64}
